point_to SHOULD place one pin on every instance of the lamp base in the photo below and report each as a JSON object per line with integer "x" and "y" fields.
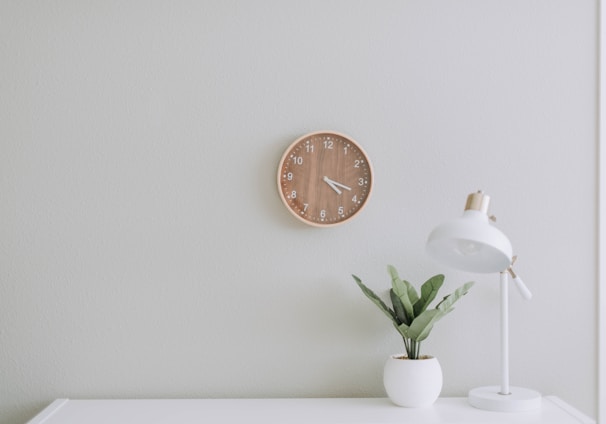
{"x": 518, "y": 400}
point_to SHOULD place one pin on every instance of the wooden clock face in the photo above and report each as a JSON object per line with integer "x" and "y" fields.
{"x": 324, "y": 178}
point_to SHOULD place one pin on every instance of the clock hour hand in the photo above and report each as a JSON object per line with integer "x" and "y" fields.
{"x": 331, "y": 184}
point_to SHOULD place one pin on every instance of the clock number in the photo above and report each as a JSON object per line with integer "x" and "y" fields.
{"x": 293, "y": 194}
{"x": 323, "y": 213}
{"x": 345, "y": 150}
{"x": 357, "y": 163}
{"x": 309, "y": 148}
{"x": 305, "y": 206}
{"x": 361, "y": 181}
{"x": 341, "y": 210}
{"x": 298, "y": 160}
{"x": 328, "y": 144}
{"x": 354, "y": 199}
{"x": 289, "y": 176}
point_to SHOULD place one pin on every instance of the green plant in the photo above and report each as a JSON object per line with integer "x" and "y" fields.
{"x": 410, "y": 314}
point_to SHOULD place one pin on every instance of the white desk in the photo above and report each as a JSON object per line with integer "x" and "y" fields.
{"x": 294, "y": 411}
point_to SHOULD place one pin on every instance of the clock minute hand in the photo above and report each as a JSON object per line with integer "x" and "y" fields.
{"x": 331, "y": 184}
{"x": 328, "y": 180}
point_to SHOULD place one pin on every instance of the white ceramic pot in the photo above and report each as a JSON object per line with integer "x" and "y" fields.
{"x": 412, "y": 383}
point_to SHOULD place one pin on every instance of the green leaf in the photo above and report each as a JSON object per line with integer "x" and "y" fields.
{"x": 429, "y": 290}
{"x": 398, "y": 308}
{"x": 405, "y": 291}
{"x": 423, "y": 324}
{"x": 403, "y": 330}
{"x": 449, "y": 300}
{"x": 376, "y": 300}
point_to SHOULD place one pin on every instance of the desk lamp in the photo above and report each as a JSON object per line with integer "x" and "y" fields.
{"x": 471, "y": 243}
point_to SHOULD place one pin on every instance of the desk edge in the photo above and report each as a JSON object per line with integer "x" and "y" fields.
{"x": 570, "y": 410}
{"x": 48, "y": 411}
{"x": 57, "y": 404}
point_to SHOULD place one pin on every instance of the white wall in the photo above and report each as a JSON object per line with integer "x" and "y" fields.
{"x": 144, "y": 248}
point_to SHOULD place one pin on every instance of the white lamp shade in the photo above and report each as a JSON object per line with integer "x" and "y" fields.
{"x": 470, "y": 243}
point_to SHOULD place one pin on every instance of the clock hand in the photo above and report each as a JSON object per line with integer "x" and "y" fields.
{"x": 331, "y": 184}
{"x": 342, "y": 186}
{"x": 329, "y": 181}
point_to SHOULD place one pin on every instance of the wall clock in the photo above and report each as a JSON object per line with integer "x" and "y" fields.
{"x": 324, "y": 178}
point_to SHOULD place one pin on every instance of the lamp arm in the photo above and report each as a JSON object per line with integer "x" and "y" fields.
{"x": 522, "y": 288}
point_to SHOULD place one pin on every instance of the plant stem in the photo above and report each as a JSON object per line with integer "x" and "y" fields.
{"x": 413, "y": 349}
{"x": 406, "y": 346}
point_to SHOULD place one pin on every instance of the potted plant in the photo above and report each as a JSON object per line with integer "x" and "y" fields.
{"x": 412, "y": 379}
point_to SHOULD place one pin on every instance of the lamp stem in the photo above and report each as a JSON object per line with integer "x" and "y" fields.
{"x": 504, "y": 334}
